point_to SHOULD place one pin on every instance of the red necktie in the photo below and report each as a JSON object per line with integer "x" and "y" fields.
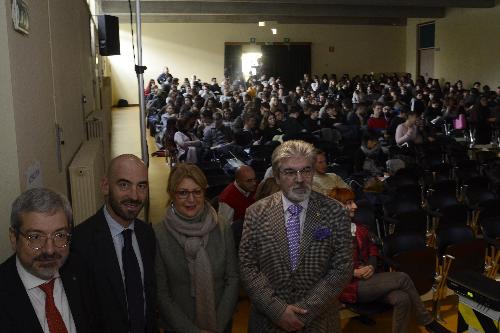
{"x": 54, "y": 318}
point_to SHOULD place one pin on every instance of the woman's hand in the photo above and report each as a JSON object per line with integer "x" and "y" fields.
{"x": 364, "y": 272}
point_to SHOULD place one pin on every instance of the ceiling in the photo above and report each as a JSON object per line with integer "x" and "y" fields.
{"x": 359, "y": 12}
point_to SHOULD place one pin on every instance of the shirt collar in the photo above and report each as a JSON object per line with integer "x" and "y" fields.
{"x": 287, "y": 203}
{"x": 115, "y": 227}
{"x": 29, "y": 280}
{"x": 242, "y": 191}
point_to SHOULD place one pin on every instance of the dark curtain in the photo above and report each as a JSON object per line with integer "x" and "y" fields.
{"x": 290, "y": 62}
{"x": 232, "y": 60}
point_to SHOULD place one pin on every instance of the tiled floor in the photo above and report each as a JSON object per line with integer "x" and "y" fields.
{"x": 125, "y": 139}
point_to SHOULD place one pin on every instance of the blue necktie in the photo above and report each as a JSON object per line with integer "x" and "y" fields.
{"x": 293, "y": 233}
{"x": 133, "y": 285}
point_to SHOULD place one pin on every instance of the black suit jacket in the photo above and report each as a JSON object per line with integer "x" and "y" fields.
{"x": 92, "y": 241}
{"x": 17, "y": 313}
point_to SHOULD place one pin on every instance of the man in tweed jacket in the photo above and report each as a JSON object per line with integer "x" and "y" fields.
{"x": 295, "y": 262}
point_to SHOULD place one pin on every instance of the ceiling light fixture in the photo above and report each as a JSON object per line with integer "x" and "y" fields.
{"x": 274, "y": 30}
{"x": 262, "y": 23}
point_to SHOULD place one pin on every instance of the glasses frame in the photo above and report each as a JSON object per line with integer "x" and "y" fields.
{"x": 45, "y": 238}
{"x": 188, "y": 193}
{"x": 306, "y": 173}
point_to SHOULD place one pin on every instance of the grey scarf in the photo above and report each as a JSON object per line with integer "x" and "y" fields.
{"x": 192, "y": 235}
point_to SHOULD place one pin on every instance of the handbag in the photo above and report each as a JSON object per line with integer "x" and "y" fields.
{"x": 460, "y": 122}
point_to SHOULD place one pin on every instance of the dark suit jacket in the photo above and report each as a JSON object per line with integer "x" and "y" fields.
{"x": 92, "y": 241}
{"x": 17, "y": 313}
{"x": 324, "y": 266}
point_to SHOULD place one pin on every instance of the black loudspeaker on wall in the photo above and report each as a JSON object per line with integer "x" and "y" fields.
{"x": 109, "y": 35}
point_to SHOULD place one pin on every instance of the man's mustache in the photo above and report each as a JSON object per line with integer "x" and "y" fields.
{"x": 48, "y": 257}
{"x": 132, "y": 202}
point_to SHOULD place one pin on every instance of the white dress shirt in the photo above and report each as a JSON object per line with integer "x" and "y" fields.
{"x": 37, "y": 297}
{"x": 302, "y": 217}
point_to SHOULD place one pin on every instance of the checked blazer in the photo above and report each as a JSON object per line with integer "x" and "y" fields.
{"x": 324, "y": 266}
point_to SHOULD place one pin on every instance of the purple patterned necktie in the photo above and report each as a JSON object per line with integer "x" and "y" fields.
{"x": 293, "y": 233}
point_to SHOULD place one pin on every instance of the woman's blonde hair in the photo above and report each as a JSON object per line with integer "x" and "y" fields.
{"x": 342, "y": 195}
{"x": 182, "y": 171}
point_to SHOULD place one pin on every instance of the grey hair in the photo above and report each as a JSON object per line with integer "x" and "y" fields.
{"x": 292, "y": 148}
{"x": 39, "y": 200}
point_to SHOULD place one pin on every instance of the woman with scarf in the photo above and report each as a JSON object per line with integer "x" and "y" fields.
{"x": 196, "y": 263}
{"x": 369, "y": 159}
{"x": 368, "y": 285}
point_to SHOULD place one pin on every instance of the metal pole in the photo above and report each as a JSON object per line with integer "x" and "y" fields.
{"x": 140, "y": 78}
{"x": 139, "y": 69}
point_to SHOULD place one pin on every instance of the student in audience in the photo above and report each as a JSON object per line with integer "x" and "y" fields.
{"x": 333, "y": 115}
{"x": 196, "y": 262}
{"x": 248, "y": 136}
{"x": 369, "y": 158}
{"x": 324, "y": 182}
{"x": 368, "y": 285}
{"x": 269, "y": 128}
{"x": 312, "y": 123}
{"x": 188, "y": 145}
{"x": 394, "y": 123}
{"x": 216, "y": 134}
{"x": 292, "y": 127}
{"x": 407, "y": 131}
{"x": 377, "y": 121}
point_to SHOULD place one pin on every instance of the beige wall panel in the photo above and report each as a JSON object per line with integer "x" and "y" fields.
{"x": 65, "y": 20}
{"x": 199, "y": 49}
{"x": 8, "y": 144}
{"x": 32, "y": 87}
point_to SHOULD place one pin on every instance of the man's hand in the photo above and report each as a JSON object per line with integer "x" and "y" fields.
{"x": 289, "y": 320}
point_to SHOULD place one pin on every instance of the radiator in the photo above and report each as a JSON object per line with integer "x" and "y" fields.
{"x": 85, "y": 172}
{"x": 94, "y": 128}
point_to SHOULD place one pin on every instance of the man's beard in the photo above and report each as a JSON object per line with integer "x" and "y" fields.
{"x": 117, "y": 207}
{"x": 299, "y": 193}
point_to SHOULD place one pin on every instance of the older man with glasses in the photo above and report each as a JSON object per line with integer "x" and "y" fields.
{"x": 42, "y": 289}
{"x": 296, "y": 250}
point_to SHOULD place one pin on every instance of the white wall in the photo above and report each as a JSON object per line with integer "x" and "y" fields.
{"x": 199, "y": 49}
{"x": 468, "y": 47}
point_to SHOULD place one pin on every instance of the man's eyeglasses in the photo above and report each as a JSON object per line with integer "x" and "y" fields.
{"x": 37, "y": 241}
{"x": 185, "y": 194}
{"x": 292, "y": 173}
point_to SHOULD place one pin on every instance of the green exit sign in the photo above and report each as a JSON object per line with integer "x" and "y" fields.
{"x": 252, "y": 40}
{"x": 286, "y": 40}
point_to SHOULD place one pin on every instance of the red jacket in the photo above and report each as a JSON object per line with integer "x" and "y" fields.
{"x": 363, "y": 250}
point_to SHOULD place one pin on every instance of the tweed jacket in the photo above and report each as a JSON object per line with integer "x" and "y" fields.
{"x": 324, "y": 265}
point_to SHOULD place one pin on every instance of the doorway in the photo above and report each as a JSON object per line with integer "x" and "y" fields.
{"x": 426, "y": 49}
